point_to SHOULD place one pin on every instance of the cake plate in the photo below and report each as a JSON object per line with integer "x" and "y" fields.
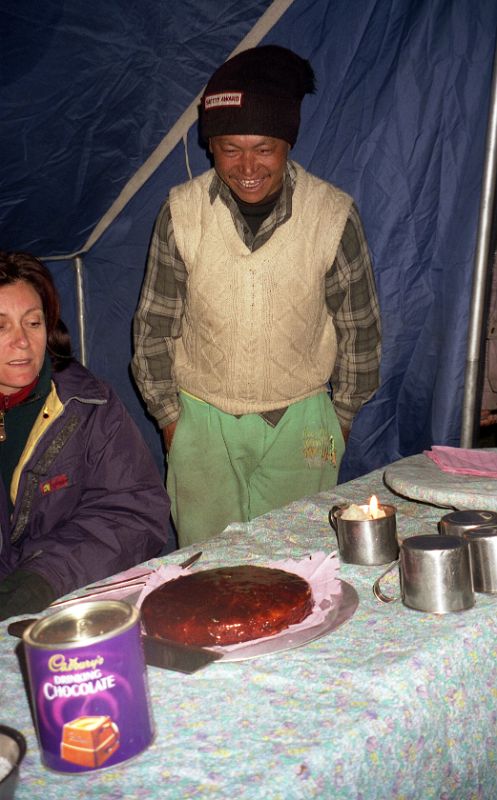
{"x": 343, "y": 609}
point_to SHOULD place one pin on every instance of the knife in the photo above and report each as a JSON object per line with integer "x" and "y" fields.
{"x": 105, "y": 585}
{"x": 17, "y": 628}
{"x": 184, "y": 658}
{"x": 105, "y": 588}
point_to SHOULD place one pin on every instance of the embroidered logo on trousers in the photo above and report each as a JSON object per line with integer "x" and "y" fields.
{"x": 319, "y": 448}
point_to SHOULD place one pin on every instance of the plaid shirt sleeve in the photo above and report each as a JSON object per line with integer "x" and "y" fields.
{"x": 157, "y": 322}
{"x": 352, "y": 301}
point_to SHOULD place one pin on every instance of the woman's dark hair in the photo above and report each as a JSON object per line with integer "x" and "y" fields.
{"x": 16, "y": 267}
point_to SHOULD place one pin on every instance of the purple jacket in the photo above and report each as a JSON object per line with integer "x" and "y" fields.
{"x": 91, "y": 501}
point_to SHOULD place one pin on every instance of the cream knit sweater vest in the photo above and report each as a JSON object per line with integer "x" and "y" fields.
{"x": 256, "y": 333}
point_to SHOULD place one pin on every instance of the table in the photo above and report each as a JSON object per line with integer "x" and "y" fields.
{"x": 395, "y": 704}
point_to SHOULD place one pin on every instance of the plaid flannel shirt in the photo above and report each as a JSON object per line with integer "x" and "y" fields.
{"x": 350, "y": 296}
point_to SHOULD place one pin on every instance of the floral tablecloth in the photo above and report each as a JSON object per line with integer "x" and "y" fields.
{"x": 395, "y": 704}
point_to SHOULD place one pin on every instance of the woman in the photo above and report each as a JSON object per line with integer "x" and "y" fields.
{"x": 80, "y": 496}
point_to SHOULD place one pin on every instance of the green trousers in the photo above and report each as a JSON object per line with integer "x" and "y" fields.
{"x": 224, "y": 469}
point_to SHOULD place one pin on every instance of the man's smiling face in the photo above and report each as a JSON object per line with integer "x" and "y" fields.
{"x": 252, "y": 166}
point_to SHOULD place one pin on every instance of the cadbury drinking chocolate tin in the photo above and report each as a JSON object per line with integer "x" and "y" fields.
{"x": 89, "y": 686}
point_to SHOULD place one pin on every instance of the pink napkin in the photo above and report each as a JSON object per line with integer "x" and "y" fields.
{"x": 460, "y": 461}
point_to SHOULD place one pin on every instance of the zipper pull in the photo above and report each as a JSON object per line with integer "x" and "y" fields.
{"x": 3, "y": 433}
{"x": 332, "y": 451}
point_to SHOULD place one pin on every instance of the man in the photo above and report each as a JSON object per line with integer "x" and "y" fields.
{"x": 259, "y": 291}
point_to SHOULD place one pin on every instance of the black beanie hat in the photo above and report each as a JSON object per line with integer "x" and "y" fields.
{"x": 258, "y": 91}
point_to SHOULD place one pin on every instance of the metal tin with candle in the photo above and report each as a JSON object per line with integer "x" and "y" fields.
{"x": 369, "y": 541}
{"x": 88, "y": 684}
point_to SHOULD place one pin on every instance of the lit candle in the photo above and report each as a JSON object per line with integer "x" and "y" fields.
{"x": 375, "y": 511}
{"x": 371, "y": 511}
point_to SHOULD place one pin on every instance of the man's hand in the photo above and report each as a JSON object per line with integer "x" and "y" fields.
{"x": 488, "y": 417}
{"x": 168, "y": 433}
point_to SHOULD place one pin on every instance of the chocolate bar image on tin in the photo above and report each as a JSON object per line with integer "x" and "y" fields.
{"x": 89, "y": 741}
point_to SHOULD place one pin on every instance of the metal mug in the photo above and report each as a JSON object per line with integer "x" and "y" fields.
{"x": 13, "y": 750}
{"x": 458, "y": 522}
{"x": 367, "y": 542}
{"x": 482, "y": 542}
{"x": 435, "y": 574}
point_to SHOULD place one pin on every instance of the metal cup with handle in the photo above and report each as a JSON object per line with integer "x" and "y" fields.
{"x": 482, "y": 542}
{"x": 456, "y": 523}
{"x": 435, "y": 574}
{"x": 367, "y": 542}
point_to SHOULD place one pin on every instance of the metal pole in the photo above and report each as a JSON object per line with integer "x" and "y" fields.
{"x": 80, "y": 302}
{"x": 483, "y": 260}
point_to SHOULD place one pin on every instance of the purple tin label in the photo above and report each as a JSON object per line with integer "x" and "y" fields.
{"x": 91, "y": 702}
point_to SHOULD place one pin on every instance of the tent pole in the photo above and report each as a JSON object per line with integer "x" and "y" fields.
{"x": 482, "y": 264}
{"x": 80, "y": 301}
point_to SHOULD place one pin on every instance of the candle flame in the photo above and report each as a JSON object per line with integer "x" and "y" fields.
{"x": 373, "y": 506}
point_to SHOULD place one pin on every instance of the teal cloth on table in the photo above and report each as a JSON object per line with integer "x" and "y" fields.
{"x": 393, "y": 704}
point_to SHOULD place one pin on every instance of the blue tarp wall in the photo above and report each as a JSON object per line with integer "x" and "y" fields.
{"x": 89, "y": 90}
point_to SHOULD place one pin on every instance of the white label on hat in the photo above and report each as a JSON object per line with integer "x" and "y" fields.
{"x": 223, "y": 99}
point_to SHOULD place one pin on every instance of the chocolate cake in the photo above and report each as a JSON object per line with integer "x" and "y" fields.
{"x": 227, "y": 605}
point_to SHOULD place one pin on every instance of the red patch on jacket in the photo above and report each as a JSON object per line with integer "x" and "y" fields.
{"x": 54, "y": 484}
